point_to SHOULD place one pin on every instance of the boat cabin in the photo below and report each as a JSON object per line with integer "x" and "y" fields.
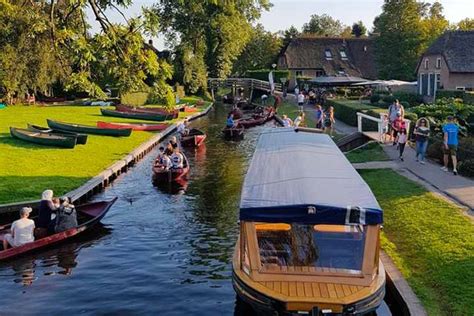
{"x": 309, "y": 230}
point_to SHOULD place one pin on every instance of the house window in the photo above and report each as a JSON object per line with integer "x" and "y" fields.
{"x": 328, "y": 54}
{"x": 299, "y": 73}
{"x": 461, "y": 88}
{"x": 438, "y": 81}
{"x": 427, "y": 63}
{"x": 343, "y": 55}
{"x": 319, "y": 73}
{"x": 438, "y": 63}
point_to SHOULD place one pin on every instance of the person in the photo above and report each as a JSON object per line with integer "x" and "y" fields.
{"x": 230, "y": 123}
{"x": 422, "y": 133}
{"x": 395, "y": 110}
{"x": 66, "y": 217}
{"x": 402, "y": 140}
{"x": 174, "y": 142}
{"x": 297, "y": 91}
{"x": 385, "y": 127}
{"x": 329, "y": 120}
{"x": 397, "y": 125}
{"x": 277, "y": 102}
{"x": 319, "y": 117}
{"x": 450, "y": 131}
{"x": 301, "y": 101}
{"x": 22, "y": 230}
{"x": 169, "y": 149}
{"x": 264, "y": 98}
{"x": 163, "y": 160}
{"x": 298, "y": 120}
{"x": 182, "y": 128}
{"x": 286, "y": 121}
{"x": 177, "y": 159}
{"x": 44, "y": 224}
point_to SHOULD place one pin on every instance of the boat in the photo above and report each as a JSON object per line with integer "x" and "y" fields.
{"x": 257, "y": 119}
{"x": 194, "y": 138}
{"x": 87, "y": 129}
{"x": 81, "y": 139}
{"x": 138, "y": 115}
{"x": 88, "y": 215}
{"x": 238, "y": 114}
{"x": 234, "y": 133}
{"x": 186, "y": 108}
{"x": 147, "y": 110}
{"x": 133, "y": 126}
{"x": 161, "y": 175}
{"x": 309, "y": 237}
{"x": 43, "y": 138}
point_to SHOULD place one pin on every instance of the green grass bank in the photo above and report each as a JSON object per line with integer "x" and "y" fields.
{"x": 27, "y": 169}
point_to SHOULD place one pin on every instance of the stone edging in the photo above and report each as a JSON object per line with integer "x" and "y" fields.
{"x": 103, "y": 179}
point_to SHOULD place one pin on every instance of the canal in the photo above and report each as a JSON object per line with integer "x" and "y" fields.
{"x": 164, "y": 250}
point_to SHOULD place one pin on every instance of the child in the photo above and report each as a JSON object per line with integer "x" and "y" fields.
{"x": 384, "y": 128}
{"x": 402, "y": 140}
{"x": 319, "y": 117}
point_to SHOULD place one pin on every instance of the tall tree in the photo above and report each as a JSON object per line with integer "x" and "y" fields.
{"x": 466, "y": 25}
{"x": 323, "y": 25}
{"x": 289, "y": 34}
{"x": 434, "y": 23}
{"x": 358, "y": 29}
{"x": 401, "y": 39}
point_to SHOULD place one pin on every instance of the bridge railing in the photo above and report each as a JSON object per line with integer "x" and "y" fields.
{"x": 243, "y": 82}
{"x": 380, "y": 131}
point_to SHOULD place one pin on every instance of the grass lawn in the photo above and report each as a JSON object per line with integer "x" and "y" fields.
{"x": 27, "y": 169}
{"x": 429, "y": 239}
{"x": 372, "y": 152}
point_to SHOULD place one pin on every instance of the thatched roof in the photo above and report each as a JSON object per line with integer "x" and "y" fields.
{"x": 457, "y": 48}
{"x": 309, "y": 53}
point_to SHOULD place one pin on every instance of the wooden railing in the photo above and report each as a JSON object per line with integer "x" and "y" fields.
{"x": 243, "y": 82}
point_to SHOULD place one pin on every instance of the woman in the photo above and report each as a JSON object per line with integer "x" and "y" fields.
{"x": 422, "y": 133}
{"x": 402, "y": 140}
{"x": 21, "y": 230}
{"x": 230, "y": 123}
{"x": 329, "y": 121}
{"x": 46, "y": 208}
{"x": 66, "y": 217}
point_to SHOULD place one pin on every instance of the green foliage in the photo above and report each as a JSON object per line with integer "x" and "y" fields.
{"x": 346, "y": 110}
{"x": 322, "y": 25}
{"x": 358, "y": 29}
{"x": 411, "y": 99}
{"x": 466, "y": 25}
{"x": 134, "y": 98}
{"x": 262, "y": 74}
{"x": 388, "y": 99}
{"x": 457, "y": 94}
{"x": 430, "y": 240}
{"x": 289, "y": 34}
{"x": 371, "y": 152}
{"x": 375, "y": 98}
{"x": 434, "y": 24}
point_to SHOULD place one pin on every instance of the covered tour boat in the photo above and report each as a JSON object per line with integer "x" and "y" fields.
{"x": 194, "y": 138}
{"x": 309, "y": 232}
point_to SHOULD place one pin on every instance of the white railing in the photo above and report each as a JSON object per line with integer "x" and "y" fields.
{"x": 380, "y": 131}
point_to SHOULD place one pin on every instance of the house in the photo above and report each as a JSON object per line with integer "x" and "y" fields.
{"x": 327, "y": 56}
{"x": 447, "y": 64}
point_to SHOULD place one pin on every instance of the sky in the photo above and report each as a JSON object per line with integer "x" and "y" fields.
{"x": 285, "y": 13}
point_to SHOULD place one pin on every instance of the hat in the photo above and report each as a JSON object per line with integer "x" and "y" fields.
{"x": 25, "y": 210}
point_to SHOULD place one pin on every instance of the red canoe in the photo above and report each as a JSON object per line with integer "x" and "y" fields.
{"x": 139, "y": 109}
{"x": 194, "y": 138}
{"x": 135, "y": 127}
{"x": 88, "y": 215}
{"x": 170, "y": 175}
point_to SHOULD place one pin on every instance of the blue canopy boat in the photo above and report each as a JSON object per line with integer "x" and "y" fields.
{"x": 308, "y": 221}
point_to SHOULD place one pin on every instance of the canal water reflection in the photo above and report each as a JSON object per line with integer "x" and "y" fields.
{"x": 164, "y": 250}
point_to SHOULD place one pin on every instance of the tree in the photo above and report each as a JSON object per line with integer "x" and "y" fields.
{"x": 401, "y": 39}
{"x": 289, "y": 34}
{"x": 434, "y": 23}
{"x": 466, "y": 25}
{"x": 358, "y": 29}
{"x": 260, "y": 52}
{"x": 346, "y": 32}
{"x": 323, "y": 25}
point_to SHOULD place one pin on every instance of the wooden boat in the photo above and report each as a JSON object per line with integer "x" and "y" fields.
{"x": 257, "y": 119}
{"x": 138, "y": 115}
{"x": 88, "y": 215}
{"x": 235, "y": 133}
{"x": 133, "y": 126}
{"x": 238, "y": 114}
{"x": 194, "y": 138}
{"x": 71, "y": 127}
{"x": 81, "y": 139}
{"x": 141, "y": 109}
{"x": 43, "y": 138}
{"x": 306, "y": 249}
{"x": 161, "y": 175}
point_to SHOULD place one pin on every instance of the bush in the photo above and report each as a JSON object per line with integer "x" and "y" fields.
{"x": 262, "y": 74}
{"x": 134, "y": 98}
{"x": 465, "y": 154}
{"x": 457, "y": 94}
{"x": 405, "y": 104}
{"x": 389, "y": 99}
{"x": 375, "y": 98}
{"x": 346, "y": 110}
{"x": 412, "y": 99}
{"x": 466, "y": 168}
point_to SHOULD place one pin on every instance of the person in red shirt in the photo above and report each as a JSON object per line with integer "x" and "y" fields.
{"x": 397, "y": 125}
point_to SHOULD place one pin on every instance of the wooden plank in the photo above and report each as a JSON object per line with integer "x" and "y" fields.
{"x": 354, "y": 289}
{"x": 339, "y": 290}
{"x": 316, "y": 291}
{"x": 285, "y": 288}
{"x": 292, "y": 289}
{"x": 347, "y": 290}
{"x": 300, "y": 289}
{"x": 331, "y": 290}
{"x": 323, "y": 287}
{"x": 277, "y": 287}
{"x": 308, "y": 290}
{"x": 269, "y": 285}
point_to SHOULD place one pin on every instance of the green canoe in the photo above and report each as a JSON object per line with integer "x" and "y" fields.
{"x": 77, "y": 128}
{"x": 43, "y": 138}
{"x": 81, "y": 138}
{"x": 137, "y": 115}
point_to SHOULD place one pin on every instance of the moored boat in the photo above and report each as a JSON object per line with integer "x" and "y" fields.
{"x": 194, "y": 138}
{"x": 161, "y": 175}
{"x": 81, "y": 139}
{"x": 133, "y": 126}
{"x": 234, "y": 133}
{"x": 238, "y": 114}
{"x": 78, "y": 128}
{"x": 147, "y": 116}
{"x": 88, "y": 215}
{"x": 305, "y": 248}
{"x": 43, "y": 138}
{"x": 149, "y": 110}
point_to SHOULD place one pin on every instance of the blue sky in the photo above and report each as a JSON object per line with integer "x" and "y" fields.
{"x": 285, "y": 13}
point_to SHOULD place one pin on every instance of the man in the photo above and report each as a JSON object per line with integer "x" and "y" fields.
{"x": 264, "y": 98}
{"x": 177, "y": 159}
{"x": 286, "y": 121}
{"x": 183, "y": 128}
{"x": 297, "y": 91}
{"x": 450, "y": 131}
{"x": 21, "y": 230}
{"x": 301, "y": 101}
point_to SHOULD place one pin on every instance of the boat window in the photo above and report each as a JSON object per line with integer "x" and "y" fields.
{"x": 311, "y": 248}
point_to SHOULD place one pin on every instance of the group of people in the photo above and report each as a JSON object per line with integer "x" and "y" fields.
{"x": 312, "y": 96}
{"x": 170, "y": 158}
{"x": 55, "y": 215}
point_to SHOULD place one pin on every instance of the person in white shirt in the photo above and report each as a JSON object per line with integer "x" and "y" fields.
{"x": 21, "y": 230}
{"x": 177, "y": 159}
{"x": 297, "y": 91}
{"x": 301, "y": 101}
{"x": 286, "y": 121}
{"x": 297, "y": 121}
{"x": 183, "y": 128}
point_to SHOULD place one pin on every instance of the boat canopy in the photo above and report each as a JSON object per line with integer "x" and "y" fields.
{"x": 302, "y": 177}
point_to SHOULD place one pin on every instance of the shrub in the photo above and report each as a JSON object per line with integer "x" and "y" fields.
{"x": 389, "y": 99}
{"x": 413, "y": 99}
{"x": 346, "y": 110}
{"x": 134, "y": 98}
{"x": 375, "y": 98}
{"x": 457, "y": 94}
{"x": 262, "y": 74}
{"x": 466, "y": 168}
{"x": 405, "y": 104}
{"x": 465, "y": 153}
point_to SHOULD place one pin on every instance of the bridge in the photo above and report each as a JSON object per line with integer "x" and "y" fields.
{"x": 248, "y": 84}
{"x": 375, "y": 135}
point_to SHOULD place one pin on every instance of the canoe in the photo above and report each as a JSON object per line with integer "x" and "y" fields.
{"x": 160, "y": 175}
{"x": 141, "y": 109}
{"x": 186, "y": 108}
{"x": 43, "y": 138}
{"x": 194, "y": 138}
{"x": 236, "y": 133}
{"x": 133, "y": 126}
{"x": 87, "y": 129}
{"x": 81, "y": 139}
{"x": 137, "y": 116}
{"x": 88, "y": 215}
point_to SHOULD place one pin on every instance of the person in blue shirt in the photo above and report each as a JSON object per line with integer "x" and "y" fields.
{"x": 230, "y": 121}
{"x": 450, "y": 131}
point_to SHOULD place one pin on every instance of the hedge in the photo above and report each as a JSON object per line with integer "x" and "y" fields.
{"x": 263, "y": 74}
{"x": 465, "y": 154}
{"x": 346, "y": 110}
{"x": 466, "y": 96}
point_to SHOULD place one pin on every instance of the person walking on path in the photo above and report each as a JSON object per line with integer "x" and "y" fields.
{"x": 301, "y": 101}
{"x": 450, "y": 131}
{"x": 402, "y": 140}
{"x": 422, "y": 133}
{"x": 329, "y": 121}
{"x": 395, "y": 110}
{"x": 319, "y": 117}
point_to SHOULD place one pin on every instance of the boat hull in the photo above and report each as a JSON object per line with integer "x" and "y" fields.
{"x": 81, "y": 139}
{"x": 195, "y": 138}
{"x": 89, "y": 129}
{"x": 135, "y": 127}
{"x": 233, "y": 133}
{"x": 171, "y": 175}
{"x": 43, "y": 138}
{"x": 138, "y": 115}
{"x": 130, "y": 109}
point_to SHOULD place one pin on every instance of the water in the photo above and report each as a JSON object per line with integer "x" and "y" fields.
{"x": 164, "y": 251}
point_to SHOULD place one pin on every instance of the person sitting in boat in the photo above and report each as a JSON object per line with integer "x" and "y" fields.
{"x": 44, "y": 224}
{"x": 183, "y": 129}
{"x": 66, "y": 216}
{"x": 177, "y": 159}
{"x": 230, "y": 123}
{"x": 163, "y": 160}
{"x": 22, "y": 230}
{"x": 174, "y": 142}
{"x": 286, "y": 121}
